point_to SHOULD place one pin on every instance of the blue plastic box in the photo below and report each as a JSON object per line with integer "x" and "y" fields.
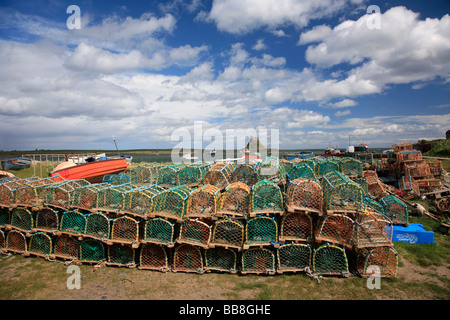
{"x": 412, "y": 234}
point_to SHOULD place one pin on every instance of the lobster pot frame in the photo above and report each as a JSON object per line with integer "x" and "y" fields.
{"x": 304, "y": 195}
{"x": 2, "y": 240}
{"x": 402, "y": 146}
{"x": 302, "y": 170}
{"x": 121, "y": 256}
{"x": 219, "y": 175}
{"x": 139, "y": 202}
{"x": 266, "y": 198}
{"x": 47, "y": 220}
{"x": 227, "y": 233}
{"x": 336, "y": 229}
{"x": 73, "y": 222}
{"x": 340, "y": 193}
{"x": 374, "y": 187}
{"x": 373, "y": 204}
{"x": 362, "y": 182}
{"x": 260, "y": 231}
{"x": 40, "y": 245}
{"x": 296, "y": 226}
{"x": 395, "y": 209}
{"x": 144, "y": 174}
{"x": 16, "y": 242}
{"x": 125, "y": 230}
{"x": 97, "y": 226}
{"x": 417, "y": 169}
{"x": 410, "y": 155}
{"x": 352, "y": 167}
{"x": 188, "y": 258}
{"x": 92, "y": 251}
{"x": 4, "y": 217}
{"x": 159, "y": 231}
{"x": 171, "y": 203}
{"x": 235, "y": 200}
{"x": 86, "y": 196}
{"x": 327, "y": 166}
{"x": 195, "y": 232}
{"x": 113, "y": 198}
{"x": 8, "y": 190}
{"x": 22, "y": 219}
{"x": 116, "y": 179}
{"x": 203, "y": 202}
{"x": 221, "y": 259}
{"x": 259, "y": 261}
{"x": 272, "y": 169}
{"x": 294, "y": 257}
{"x": 33, "y": 193}
{"x": 168, "y": 176}
{"x": 330, "y": 260}
{"x": 154, "y": 257}
{"x": 60, "y": 194}
{"x": 410, "y": 187}
{"x": 245, "y": 173}
{"x": 192, "y": 174}
{"x": 385, "y": 258}
{"x": 66, "y": 247}
{"x": 435, "y": 168}
{"x": 372, "y": 229}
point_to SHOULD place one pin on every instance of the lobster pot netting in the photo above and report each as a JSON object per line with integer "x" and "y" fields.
{"x": 374, "y": 187}
{"x": 168, "y": 176}
{"x": 330, "y": 260}
{"x": 435, "y": 168}
{"x": 188, "y": 258}
{"x": 260, "y": 231}
{"x": 410, "y": 155}
{"x": 228, "y": 233}
{"x": 16, "y": 242}
{"x": 340, "y": 193}
{"x": 235, "y": 200}
{"x": 395, "y": 209}
{"x": 383, "y": 260}
{"x": 113, "y": 198}
{"x": 60, "y": 194}
{"x": 120, "y": 255}
{"x": 221, "y": 259}
{"x": 296, "y": 226}
{"x": 40, "y": 244}
{"x": 293, "y": 257}
{"x": 97, "y": 226}
{"x": 336, "y": 229}
{"x": 33, "y": 192}
{"x": 125, "y": 229}
{"x": 153, "y": 257}
{"x": 417, "y": 169}
{"x": 302, "y": 170}
{"x": 86, "y": 196}
{"x": 66, "y": 247}
{"x": 258, "y": 260}
{"x": 2, "y": 240}
{"x": 219, "y": 175}
{"x": 139, "y": 201}
{"x": 195, "y": 232}
{"x": 409, "y": 187}
{"x": 116, "y": 179}
{"x": 8, "y": 193}
{"x": 402, "y": 146}
{"x": 304, "y": 195}
{"x": 245, "y": 173}
{"x": 4, "y": 217}
{"x": 352, "y": 167}
{"x": 362, "y": 182}
{"x": 192, "y": 174}
{"x": 266, "y": 197}
{"x": 159, "y": 231}
{"x": 272, "y": 169}
{"x": 327, "y": 166}
{"x": 73, "y": 222}
{"x": 373, "y": 204}
{"x": 47, "y": 220}
{"x": 22, "y": 219}
{"x": 92, "y": 251}
{"x": 203, "y": 202}
{"x": 372, "y": 229}
{"x": 171, "y": 203}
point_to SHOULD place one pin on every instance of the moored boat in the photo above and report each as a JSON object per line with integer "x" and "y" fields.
{"x": 16, "y": 163}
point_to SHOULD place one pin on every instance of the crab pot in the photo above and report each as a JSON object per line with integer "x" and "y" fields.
{"x": 4, "y": 217}
{"x": 60, "y": 195}
{"x": 203, "y": 202}
{"x": 227, "y": 233}
{"x": 147, "y": 173}
{"x": 374, "y": 186}
{"x": 113, "y": 198}
{"x": 266, "y": 198}
{"x": 97, "y": 226}
{"x": 395, "y": 209}
{"x": 352, "y": 167}
{"x": 116, "y": 179}
{"x": 2, "y": 240}
{"x": 245, "y": 173}
{"x": 153, "y": 257}
{"x": 417, "y": 169}
{"x": 192, "y": 174}
{"x": 171, "y": 203}
{"x": 66, "y": 247}
{"x": 372, "y": 229}
{"x": 33, "y": 193}
{"x": 46, "y": 220}
{"x": 168, "y": 176}
{"x": 329, "y": 259}
{"x": 16, "y": 242}
{"x": 188, "y": 258}
{"x": 73, "y": 222}
{"x": 294, "y": 257}
{"x": 302, "y": 170}
{"x": 8, "y": 192}
{"x": 373, "y": 204}
{"x": 22, "y": 219}
{"x": 409, "y": 186}
{"x": 296, "y": 226}
{"x": 221, "y": 259}
{"x": 410, "y": 155}
{"x": 336, "y": 229}
{"x": 342, "y": 194}
{"x": 139, "y": 201}
{"x": 86, "y": 196}
{"x": 92, "y": 251}
{"x": 125, "y": 230}
{"x": 195, "y": 232}
{"x": 235, "y": 200}
{"x": 383, "y": 260}
{"x": 259, "y": 261}
{"x": 121, "y": 256}
{"x": 304, "y": 195}
{"x": 40, "y": 245}
{"x": 260, "y": 231}
{"x": 362, "y": 182}
{"x": 326, "y": 166}
{"x": 159, "y": 231}
{"x": 219, "y": 175}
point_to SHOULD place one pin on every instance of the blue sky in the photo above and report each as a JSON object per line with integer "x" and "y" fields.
{"x": 318, "y": 71}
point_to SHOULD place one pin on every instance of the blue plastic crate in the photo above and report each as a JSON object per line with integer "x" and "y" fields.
{"x": 414, "y": 233}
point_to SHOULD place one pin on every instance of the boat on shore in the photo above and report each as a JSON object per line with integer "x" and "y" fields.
{"x": 16, "y": 163}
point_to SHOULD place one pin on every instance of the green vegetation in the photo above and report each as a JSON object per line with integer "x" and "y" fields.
{"x": 439, "y": 148}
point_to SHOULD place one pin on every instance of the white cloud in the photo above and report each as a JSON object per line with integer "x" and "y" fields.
{"x": 343, "y": 103}
{"x": 260, "y": 45}
{"x": 342, "y": 113}
{"x": 318, "y": 33}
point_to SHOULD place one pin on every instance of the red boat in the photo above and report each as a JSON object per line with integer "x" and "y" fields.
{"x": 90, "y": 171}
